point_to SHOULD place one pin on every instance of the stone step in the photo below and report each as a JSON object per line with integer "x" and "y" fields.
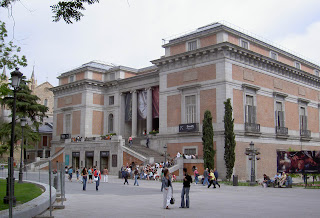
{"x": 147, "y": 152}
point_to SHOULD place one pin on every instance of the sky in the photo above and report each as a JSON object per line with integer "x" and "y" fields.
{"x": 130, "y": 32}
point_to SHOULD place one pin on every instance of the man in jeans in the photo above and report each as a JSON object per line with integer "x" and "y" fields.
{"x": 185, "y": 189}
{"x": 206, "y": 175}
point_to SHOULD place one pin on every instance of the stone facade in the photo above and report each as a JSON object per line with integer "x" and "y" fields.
{"x": 199, "y": 72}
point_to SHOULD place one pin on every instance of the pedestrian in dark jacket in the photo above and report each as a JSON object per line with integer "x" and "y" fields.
{"x": 185, "y": 189}
{"x": 206, "y": 176}
{"x": 126, "y": 175}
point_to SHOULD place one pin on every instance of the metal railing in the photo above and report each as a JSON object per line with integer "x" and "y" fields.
{"x": 252, "y": 127}
{"x": 281, "y": 130}
{"x": 305, "y": 133}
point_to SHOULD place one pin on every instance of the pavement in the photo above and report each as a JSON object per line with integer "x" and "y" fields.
{"x": 117, "y": 200}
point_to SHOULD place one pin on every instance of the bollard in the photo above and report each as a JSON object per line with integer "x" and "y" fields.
{"x": 55, "y": 182}
{"x": 235, "y": 180}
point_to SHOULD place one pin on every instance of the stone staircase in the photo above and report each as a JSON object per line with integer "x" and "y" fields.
{"x": 144, "y": 151}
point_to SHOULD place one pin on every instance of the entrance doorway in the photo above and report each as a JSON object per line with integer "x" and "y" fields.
{"x": 75, "y": 160}
{"x": 104, "y": 160}
{"x": 89, "y": 159}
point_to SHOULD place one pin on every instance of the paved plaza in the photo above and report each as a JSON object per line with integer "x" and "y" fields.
{"x": 117, "y": 200}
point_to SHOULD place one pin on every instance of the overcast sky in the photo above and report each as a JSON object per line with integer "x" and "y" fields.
{"x": 130, "y": 32}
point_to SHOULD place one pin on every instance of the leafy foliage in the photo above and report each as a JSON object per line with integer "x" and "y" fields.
{"x": 229, "y": 138}
{"x": 68, "y": 10}
{"x": 9, "y": 52}
{"x": 207, "y": 141}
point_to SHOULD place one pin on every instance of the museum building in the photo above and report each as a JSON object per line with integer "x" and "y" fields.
{"x": 274, "y": 94}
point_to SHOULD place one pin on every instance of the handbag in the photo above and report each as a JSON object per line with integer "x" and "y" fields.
{"x": 172, "y": 200}
{"x": 95, "y": 178}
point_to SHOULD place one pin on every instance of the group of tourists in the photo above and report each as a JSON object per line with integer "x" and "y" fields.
{"x": 279, "y": 179}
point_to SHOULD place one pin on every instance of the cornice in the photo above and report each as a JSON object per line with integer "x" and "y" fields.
{"x": 238, "y": 54}
{"x": 77, "y": 84}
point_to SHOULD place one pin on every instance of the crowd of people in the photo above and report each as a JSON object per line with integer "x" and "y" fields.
{"x": 279, "y": 180}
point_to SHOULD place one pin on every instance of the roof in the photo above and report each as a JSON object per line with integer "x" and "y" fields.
{"x": 46, "y": 128}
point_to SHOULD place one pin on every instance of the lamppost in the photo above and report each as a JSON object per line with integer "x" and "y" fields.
{"x": 23, "y": 122}
{"x": 165, "y": 154}
{"x": 9, "y": 198}
{"x": 252, "y": 153}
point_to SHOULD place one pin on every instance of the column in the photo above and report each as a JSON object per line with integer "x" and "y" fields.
{"x": 44, "y": 153}
{"x": 149, "y": 110}
{"x": 122, "y": 114}
{"x": 134, "y": 113}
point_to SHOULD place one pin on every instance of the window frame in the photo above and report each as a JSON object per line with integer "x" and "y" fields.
{"x": 316, "y": 73}
{"x": 241, "y": 41}
{"x": 190, "y": 147}
{"x": 71, "y": 78}
{"x": 70, "y": 125}
{"x": 111, "y": 97}
{"x": 274, "y": 53}
{"x": 110, "y": 123}
{"x": 296, "y": 63}
{"x": 193, "y": 114}
{"x": 196, "y": 41}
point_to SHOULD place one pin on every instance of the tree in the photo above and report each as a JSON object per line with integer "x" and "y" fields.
{"x": 207, "y": 141}
{"x": 229, "y": 138}
{"x": 67, "y": 10}
{"x": 26, "y": 106}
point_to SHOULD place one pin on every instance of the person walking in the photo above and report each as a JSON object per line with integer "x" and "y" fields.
{"x": 97, "y": 176}
{"x": 84, "y": 175}
{"x": 185, "y": 189}
{"x": 212, "y": 179}
{"x": 196, "y": 176}
{"x": 126, "y": 175}
{"x": 205, "y": 175}
{"x": 90, "y": 175}
{"x": 167, "y": 188}
{"x": 70, "y": 171}
{"x": 130, "y": 141}
{"x": 216, "y": 175}
{"x": 105, "y": 175}
{"x": 77, "y": 173}
{"x": 136, "y": 175}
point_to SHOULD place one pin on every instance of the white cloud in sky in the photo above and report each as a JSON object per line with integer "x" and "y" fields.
{"x": 131, "y": 34}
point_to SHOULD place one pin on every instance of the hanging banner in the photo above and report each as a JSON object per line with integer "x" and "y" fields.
{"x": 128, "y": 109}
{"x": 155, "y": 102}
{"x": 142, "y": 105}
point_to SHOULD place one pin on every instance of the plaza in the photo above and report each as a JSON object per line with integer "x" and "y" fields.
{"x": 117, "y": 200}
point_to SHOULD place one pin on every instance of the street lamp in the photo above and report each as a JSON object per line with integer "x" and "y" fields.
{"x": 252, "y": 153}
{"x": 9, "y": 198}
{"x": 23, "y": 122}
{"x": 165, "y": 154}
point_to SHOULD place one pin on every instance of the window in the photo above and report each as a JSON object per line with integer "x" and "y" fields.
{"x": 190, "y": 151}
{"x": 190, "y": 109}
{"x": 110, "y": 122}
{"x": 316, "y": 72}
{"x": 279, "y": 114}
{"x": 114, "y": 160}
{"x": 244, "y": 44}
{"x": 192, "y": 45}
{"x": 44, "y": 140}
{"x": 71, "y": 78}
{"x": 45, "y": 103}
{"x": 273, "y": 55}
{"x": 297, "y": 65}
{"x": 303, "y": 119}
{"x": 250, "y": 110}
{"x": 111, "y": 100}
{"x": 68, "y": 124}
{"x": 112, "y": 76}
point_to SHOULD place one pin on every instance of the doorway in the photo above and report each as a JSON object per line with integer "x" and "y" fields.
{"x": 104, "y": 160}
{"x": 89, "y": 159}
{"x": 75, "y": 160}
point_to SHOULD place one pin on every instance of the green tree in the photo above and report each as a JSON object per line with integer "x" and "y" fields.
{"x": 229, "y": 138}
{"x": 26, "y": 106}
{"x": 207, "y": 141}
{"x": 67, "y": 10}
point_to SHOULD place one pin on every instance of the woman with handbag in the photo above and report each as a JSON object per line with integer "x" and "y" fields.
{"x": 167, "y": 188}
{"x": 97, "y": 178}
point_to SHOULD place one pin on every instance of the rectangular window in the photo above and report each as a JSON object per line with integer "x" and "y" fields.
{"x": 112, "y": 76}
{"x": 192, "y": 45}
{"x": 44, "y": 140}
{"x": 274, "y": 55}
{"x": 244, "y": 44}
{"x": 190, "y": 109}
{"x": 279, "y": 115}
{"x": 250, "y": 110}
{"x": 316, "y": 72}
{"x": 190, "y": 151}
{"x": 71, "y": 78}
{"x": 303, "y": 119}
{"x": 111, "y": 100}
{"x": 297, "y": 65}
{"x": 68, "y": 124}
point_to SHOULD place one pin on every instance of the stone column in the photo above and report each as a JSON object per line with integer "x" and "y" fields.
{"x": 134, "y": 113}
{"x": 149, "y": 110}
{"x": 44, "y": 153}
{"x": 122, "y": 114}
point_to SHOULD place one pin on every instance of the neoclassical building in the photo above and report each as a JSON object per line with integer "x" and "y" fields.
{"x": 275, "y": 97}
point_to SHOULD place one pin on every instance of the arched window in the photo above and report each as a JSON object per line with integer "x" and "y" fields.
{"x": 110, "y": 121}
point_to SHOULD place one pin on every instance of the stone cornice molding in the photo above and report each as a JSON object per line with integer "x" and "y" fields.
{"x": 194, "y": 86}
{"x": 250, "y": 86}
{"x": 303, "y": 101}
{"x": 239, "y": 54}
{"x": 77, "y": 85}
{"x": 283, "y": 95}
